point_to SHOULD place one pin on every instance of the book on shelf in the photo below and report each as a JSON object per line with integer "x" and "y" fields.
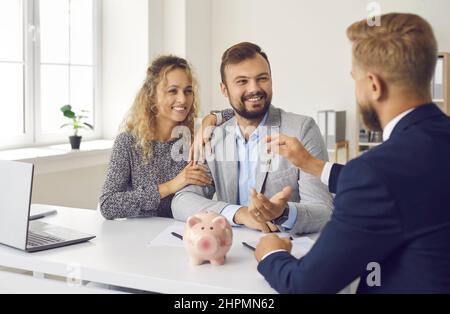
{"x": 437, "y": 84}
{"x": 332, "y": 126}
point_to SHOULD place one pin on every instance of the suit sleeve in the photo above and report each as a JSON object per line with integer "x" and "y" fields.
{"x": 193, "y": 199}
{"x": 365, "y": 227}
{"x": 334, "y": 176}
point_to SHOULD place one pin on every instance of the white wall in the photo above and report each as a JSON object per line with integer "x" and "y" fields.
{"x": 135, "y": 32}
{"x": 198, "y": 46}
{"x": 186, "y": 28}
{"x": 125, "y": 45}
{"x": 307, "y": 46}
{"x": 174, "y": 29}
{"x": 79, "y": 188}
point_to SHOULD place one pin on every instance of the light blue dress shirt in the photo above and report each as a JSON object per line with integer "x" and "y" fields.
{"x": 248, "y": 159}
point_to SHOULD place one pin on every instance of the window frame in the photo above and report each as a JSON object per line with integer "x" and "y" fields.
{"x": 27, "y": 137}
{"x": 33, "y": 137}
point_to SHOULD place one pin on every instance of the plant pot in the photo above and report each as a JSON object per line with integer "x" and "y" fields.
{"x": 75, "y": 141}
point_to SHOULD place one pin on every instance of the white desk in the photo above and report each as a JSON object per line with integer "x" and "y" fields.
{"x": 15, "y": 283}
{"x": 120, "y": 256}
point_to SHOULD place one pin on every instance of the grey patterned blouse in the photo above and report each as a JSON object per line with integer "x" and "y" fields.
{"x": 131, "y": 185}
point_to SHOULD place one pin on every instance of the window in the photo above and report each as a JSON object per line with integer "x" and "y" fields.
{"x": 48, "y": 59}
{"x": 12, "y": 71}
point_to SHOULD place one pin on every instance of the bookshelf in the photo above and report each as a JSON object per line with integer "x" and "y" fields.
{"x": 332, "y": 127}
{"x": 365, "y": 139}
{"x": 440, "y": 91}
{"x": 440, "y": 86}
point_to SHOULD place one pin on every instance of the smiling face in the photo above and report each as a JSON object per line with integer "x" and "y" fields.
{"x": 248, "y": 87}
{"x": 175, "y": 97}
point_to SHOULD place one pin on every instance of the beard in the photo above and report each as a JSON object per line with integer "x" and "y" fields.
{"x": 243, "y": 112}
{"x": 370, "y": 117}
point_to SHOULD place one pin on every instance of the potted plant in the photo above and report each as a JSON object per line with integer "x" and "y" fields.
{"x": 76, "y": 123}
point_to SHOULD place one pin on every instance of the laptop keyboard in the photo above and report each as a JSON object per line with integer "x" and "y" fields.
{"x": 41, "y": 239}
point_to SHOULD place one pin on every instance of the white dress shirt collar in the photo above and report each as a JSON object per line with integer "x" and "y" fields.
{"x": 387, "y": 131}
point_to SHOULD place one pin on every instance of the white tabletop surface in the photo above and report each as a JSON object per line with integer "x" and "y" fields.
{"x": 120, "y": 255}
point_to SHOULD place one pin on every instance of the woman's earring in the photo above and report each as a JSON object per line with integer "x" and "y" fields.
{"x": 154, "y": 109}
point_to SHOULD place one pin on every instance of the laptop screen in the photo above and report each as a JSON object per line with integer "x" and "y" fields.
{"x": 16, "y": 179}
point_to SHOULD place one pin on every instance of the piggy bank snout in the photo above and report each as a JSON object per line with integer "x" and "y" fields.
{"x": 208, "y": 237}
{"x": 207, "y": 244}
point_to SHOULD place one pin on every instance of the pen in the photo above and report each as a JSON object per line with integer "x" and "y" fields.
{"x": 248, "y": 246}
{"x": 290, "y": 237}
{"x": 42, "y": 215}
{"x": 179, "y": 236}
{"x": 252, "y": 248}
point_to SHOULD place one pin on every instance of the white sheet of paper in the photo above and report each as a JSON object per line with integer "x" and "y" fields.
{"x": 165, "y": 237}
{"x": 300, "y": 245}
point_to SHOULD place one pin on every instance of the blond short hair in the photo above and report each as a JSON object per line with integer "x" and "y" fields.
{"x": 402, "y": 49}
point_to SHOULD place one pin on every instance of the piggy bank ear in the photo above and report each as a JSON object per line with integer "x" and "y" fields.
{"x": 192, "y": 221}
{"x": 220, "y": 222}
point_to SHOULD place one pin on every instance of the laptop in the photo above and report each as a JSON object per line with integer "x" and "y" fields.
{"x": 16, "y": 228}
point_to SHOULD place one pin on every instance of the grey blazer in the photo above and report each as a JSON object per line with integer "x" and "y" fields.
{"x": 311, "y": 197}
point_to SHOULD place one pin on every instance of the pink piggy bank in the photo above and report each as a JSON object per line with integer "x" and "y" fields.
{"x": 208, "y": 237}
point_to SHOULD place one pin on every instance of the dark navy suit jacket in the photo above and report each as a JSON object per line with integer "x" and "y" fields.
{"x": 392, "y": 207}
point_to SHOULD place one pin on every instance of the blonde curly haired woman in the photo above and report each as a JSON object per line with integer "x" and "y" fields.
{"x": 145, "y": 169}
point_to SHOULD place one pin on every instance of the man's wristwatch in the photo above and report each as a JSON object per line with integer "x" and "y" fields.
{"x": 219, "y": 118}
{"x": 283, "y": 218}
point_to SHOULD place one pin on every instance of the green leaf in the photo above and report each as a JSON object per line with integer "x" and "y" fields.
{"x": 67, "y": 111}
{"x": 69, "y": 114}
{"x": 66, "y": 108}
{"x": 88, "y": 125}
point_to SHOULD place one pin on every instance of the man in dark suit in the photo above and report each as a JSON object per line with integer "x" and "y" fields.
{"x": 391, "y": 222}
